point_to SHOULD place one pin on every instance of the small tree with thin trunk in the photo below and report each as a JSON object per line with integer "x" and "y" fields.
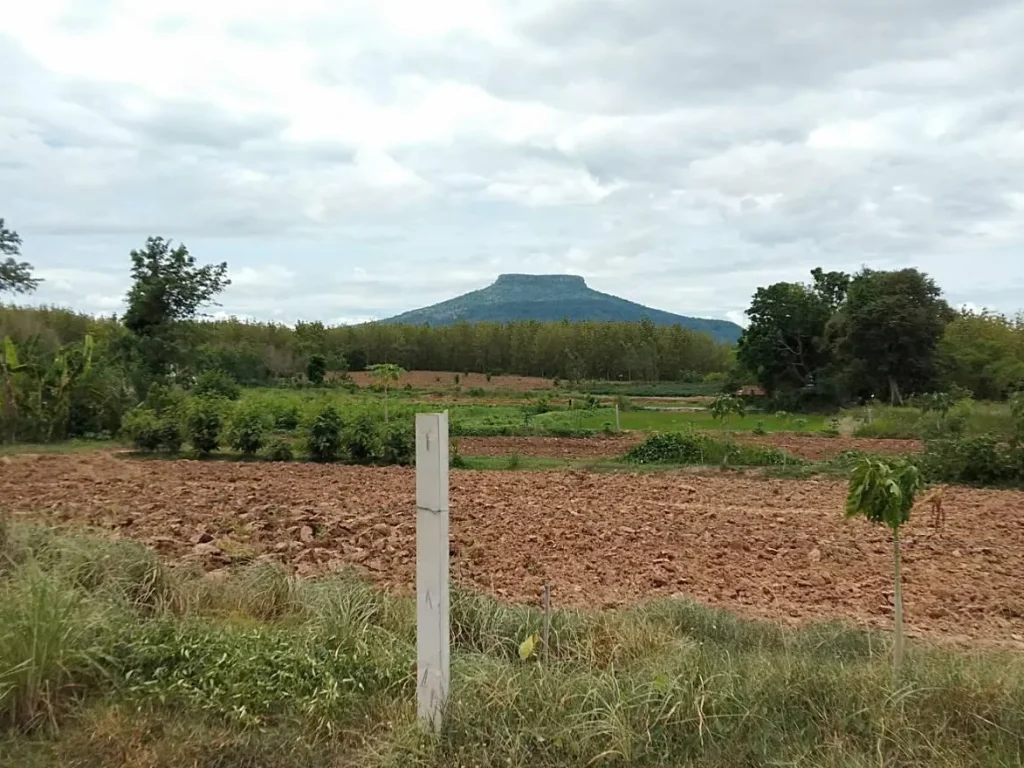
{"x": 884, "y": 492}
{"x": 386, "y": 373}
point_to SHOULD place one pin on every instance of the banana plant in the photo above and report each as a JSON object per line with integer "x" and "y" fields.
{"x": 12, "y": 370}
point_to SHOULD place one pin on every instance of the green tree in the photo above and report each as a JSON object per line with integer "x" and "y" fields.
{"x": 168, "y": 289}
{"x": 386, "y": 374}
{"x": 983, "y": 352}
{"x": 884, "y": 494}
{"x": 887, "y": 331}
{"x": 316, "y": 370}
{"x": 725, "y": 406}
{"x": 15, "y": 276}
{"x": 784, "y": 346}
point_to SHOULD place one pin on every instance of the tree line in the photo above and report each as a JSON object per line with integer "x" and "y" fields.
{"x": 68, "y": 373}
{"x": 882, "y": 334}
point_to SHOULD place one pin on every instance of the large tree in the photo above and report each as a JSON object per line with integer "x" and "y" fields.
{"x": 15, "y": 276}
{"x": 886, "y": 332}
{"x": 983, "y": 352}
{"x": 168, "y": 289}
{"x": 784, "y": 345}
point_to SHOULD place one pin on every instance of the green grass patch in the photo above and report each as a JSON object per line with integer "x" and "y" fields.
{"x": 132, "y": 663}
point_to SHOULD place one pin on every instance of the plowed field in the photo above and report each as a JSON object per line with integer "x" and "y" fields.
{"x": 763, "y": 547}
{"x": 810, "y": 447}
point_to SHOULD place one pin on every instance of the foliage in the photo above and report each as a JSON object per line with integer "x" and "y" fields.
{"x": 323, "y": 434}
{"x": 150, "y": 431}
{"x": 978, "y": 460}
{"x": 386, "y": 374}
{"x": 204, "y": 423}
{"x": 279, "y": 449}
{"x": 15, "y": 276}
{"x": 784, "y": 345}
{"x": 316, "y": 370}
{"x": 37, "y": 390}
{"x": 361, "y": 439}
{"x": 887, "y": 332}
{"x": 725, "y": 406}
{"x": 883, "y": 493}
{"x": 397, "y": 444}
{"x": 248, "y": 429}
{"x": 698, "y": 448}
{"x": 983, "y": 353}
{"x": 168, "y": 289}
{"x": 216, "y": 383}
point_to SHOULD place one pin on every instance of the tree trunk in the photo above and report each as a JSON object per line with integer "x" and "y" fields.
{"x": 894, "y": 392}
{"x": 897, "y": 654}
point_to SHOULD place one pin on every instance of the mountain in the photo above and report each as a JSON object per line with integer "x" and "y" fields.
{"x": 551, "y": 298}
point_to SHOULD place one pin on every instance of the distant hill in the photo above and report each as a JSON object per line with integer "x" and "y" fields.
{"x": 551, "y": 298}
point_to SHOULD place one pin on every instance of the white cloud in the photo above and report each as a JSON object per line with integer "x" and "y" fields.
{"x": 669, "y": 152}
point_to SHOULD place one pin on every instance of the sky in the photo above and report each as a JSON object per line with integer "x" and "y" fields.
{"x": 351, "y": 159}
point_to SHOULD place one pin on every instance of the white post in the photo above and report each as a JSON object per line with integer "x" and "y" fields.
{"x": 618, "y": 426}
{"x": 433, "y": 635}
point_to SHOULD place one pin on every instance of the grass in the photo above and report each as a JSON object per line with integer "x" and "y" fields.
{"x": 134, "y": 663}
{"x": 653, "y": 420}
{"x": 65, "y": 446}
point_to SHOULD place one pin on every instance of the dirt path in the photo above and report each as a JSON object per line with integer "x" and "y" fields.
{"x": 771, "y": 548}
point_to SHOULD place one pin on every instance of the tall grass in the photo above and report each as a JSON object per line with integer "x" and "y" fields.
{"x": 256, "y": 668}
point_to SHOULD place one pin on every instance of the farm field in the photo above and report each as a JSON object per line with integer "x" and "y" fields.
{"x": 763, "y": 548}
{"x": 804, "y": 446}
{"x": 446, "y": 380}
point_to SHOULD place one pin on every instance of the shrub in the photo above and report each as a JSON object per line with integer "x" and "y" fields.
{"x": 316, "y": 370}
{"x": 323, "y": 435}
{"x": 623, "y": 403}
{"x": 204, "y": 421}
{"x": 361, "y": 440}
{"x": 455, "y": 459}
{"x": 398, "y": 444}
{"x": 759, "y": 428}
{"x": 150, "y": 431}
{"x": 697, "y": 448}
{"x": 280, "y": 449}
{"x": 982, "y": 460}
{"x": 216, "y": 383}
{"x": 247, "y": 431}
{"x": 286, "y": 416}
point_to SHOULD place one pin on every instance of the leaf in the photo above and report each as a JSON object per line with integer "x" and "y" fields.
{"x": 10, "y": 353}
{"x": 529, "y": 646}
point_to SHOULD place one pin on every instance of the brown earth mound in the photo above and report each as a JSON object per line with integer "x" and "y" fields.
{"x": 772, "y": 548}
{"x": 446, "y": 380}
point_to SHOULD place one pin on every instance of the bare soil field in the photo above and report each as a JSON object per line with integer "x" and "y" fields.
{"x": 550, "y": 447}
{"x": 810, "y": 447}
{"x": 446, "y": 379}
{"x": 770, "y": 548}
{"x": 819, "y": 447}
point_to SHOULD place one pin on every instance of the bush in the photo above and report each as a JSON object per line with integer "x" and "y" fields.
{"x": 247, "y": 431}
{"x": 280, "y": 449}
{"x": 361, "y": 440}
{"x": 316, "y": 370}
{"x": 697, "y": 448}
{"x": 286, "y": 416}
{"x": 980, "y": 460}
{"x": 759, "y": 428}
{"x": 398, "y": 444}
{"x": 455, "y": 459}
{"x": 216, "y": 383}
{"x": 204, "y": 421}
{"x": 323, "y": 435}
{"x": 150, "y": 431}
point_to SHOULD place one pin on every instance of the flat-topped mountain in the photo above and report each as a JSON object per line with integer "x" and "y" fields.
{"x": 550, "y": 298}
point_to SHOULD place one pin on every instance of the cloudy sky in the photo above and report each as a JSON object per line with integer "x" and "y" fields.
{"x": 351, "y": 159}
